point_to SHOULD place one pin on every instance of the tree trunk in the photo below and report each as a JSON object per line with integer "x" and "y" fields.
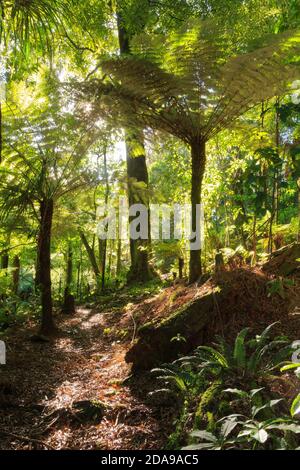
{"x": 275, "y": 189}
{"x": 198, "y": 166}
{"x": 16, "y": 275}
{"x": 180, "y": 267}
{"x": 44, "y": 266}
{"x": 5, "y": 254}
{"x": 4, "y": 260}
{"x": 1, "y": 138}
{"x": 136, "y": 173}
{"x": 104, "y": 242}
{"x": 254, "y": 242}
{"x": 78, "y": 281}
{"x": 298, "y": 186}
{"x": 92, "y": 258}
{"x": 103, "y": 263}
{"x": 69, "y": 304}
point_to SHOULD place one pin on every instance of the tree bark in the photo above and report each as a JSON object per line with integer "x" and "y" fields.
{"x": 4, "y": 260}
{"x": 69, "y": 304}
{"x": 1, "y": 137}
{"x": 180, "y": 267}
{"x": 136, "y": 172}
{"x": 104, "y": 242}
{"x": 298, "y": 186}
{"x": 16, "y": 275}
{"x": 198, "y": 157}
{"x": 92, "y": 258}
{"x": 44, "y": 266}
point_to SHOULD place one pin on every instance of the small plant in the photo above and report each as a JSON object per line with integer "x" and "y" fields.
{"x": 178, "y": 338}
{"x": 278, "y": 286}
{"x": 178, "y": 380}
{"x": 217, "y": 441}
{"x": 295, "y": 407}
{"x": 205, "y": 375}
{"x": 238, "y": 431}
{"x": 245, "y": 359}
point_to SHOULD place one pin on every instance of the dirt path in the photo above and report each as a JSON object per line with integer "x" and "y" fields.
{"x": 85, "y": 363}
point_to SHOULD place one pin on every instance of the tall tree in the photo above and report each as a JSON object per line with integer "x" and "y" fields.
{"x": 43, "y": 154}
{"x": 193, "y": 87}
{"x": 137, "y": 174}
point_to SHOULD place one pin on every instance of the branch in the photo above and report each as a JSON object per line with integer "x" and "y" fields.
{"x": 79, "y": 48}
{"x": 16, "y": 246}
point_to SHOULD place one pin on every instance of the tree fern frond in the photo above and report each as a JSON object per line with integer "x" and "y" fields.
{"x": 196, "y": 88}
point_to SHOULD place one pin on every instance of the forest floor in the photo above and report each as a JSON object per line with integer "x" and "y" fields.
{"x": 43, "y": 384}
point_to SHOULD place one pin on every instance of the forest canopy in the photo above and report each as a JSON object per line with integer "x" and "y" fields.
{"x": 150, "y": 179}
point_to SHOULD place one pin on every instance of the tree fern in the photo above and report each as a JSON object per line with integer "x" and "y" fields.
{"x": 191, "y": 85}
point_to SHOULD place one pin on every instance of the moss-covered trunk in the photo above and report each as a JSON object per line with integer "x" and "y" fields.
{"x": 92, "y": 259}
{"x": 198, "y": 158}
{"x": 178, "y": 334}
{"x": 137, "y": 177}
{"x": 44, "y": 266}
{"x": 69, "y": 303}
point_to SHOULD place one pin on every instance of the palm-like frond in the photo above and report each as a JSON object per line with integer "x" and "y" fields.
{"x": 43, "y": 153}
{"x": 32, "y": 22}
{"x": 192, "y": 87}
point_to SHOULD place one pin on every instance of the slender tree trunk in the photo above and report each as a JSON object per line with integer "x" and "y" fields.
{"x": 136, "y": 172}
{"x": 60, "y": 286}
{"x": 69, "y": 304}
{"x": 109, "y": 267}
{"x": 16, "y": 275}
{"x": 180, "y": 267}
{"x": 298, "y": 234}
{"x": 4, "y": 260}
{"x": 103, "y": 263}
{"x": 277, "y": 171}
{"x": 1, "y": 138}
{"x": 5, "y": 254}
{"x": 44, "y": 266}
{"x": 69, "y": 270}
{"x": 198, "y": 166}
{"x": 104, "y": 242}
{"x": 81, "y": 275}
{"x": 119, "y": 260}
{"x": 254, "y": 242}
{"x": 92, "y": 258}
{"x": 79, "y": 267}
{"x": 275, "y": 189}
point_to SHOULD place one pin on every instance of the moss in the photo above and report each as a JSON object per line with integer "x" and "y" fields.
{"x": 176, "y": 438}
{"x": 224, "y": 408}
{"x": 206, "y": 405}
{"x": 154, "y": 344}
{"x": 211, "y": 422}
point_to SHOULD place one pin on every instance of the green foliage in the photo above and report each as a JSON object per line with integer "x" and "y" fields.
{"x": 295, "y": 407}
{"x": 203, "y": 378}
{"x": 14, "y": 312}
{"x": 278, "y": 286}
{"x": 260, "y": 428}
{"x": 181, "y": 381}
{"x": 244, "y": 360}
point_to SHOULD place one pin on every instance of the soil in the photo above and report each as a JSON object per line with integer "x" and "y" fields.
{"x": 43, "y": 384}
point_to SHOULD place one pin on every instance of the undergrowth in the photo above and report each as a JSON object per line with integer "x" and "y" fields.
{"x": 225, "y": 399}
